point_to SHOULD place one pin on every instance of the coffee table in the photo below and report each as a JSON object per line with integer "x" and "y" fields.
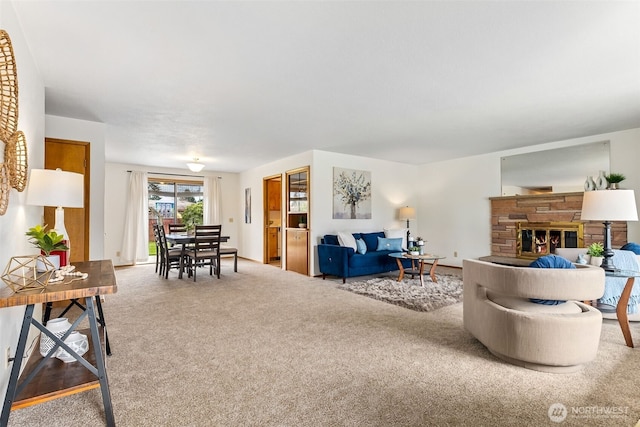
{"x": 417, "y": 265}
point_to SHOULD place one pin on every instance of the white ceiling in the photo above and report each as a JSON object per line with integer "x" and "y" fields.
{"x": 239, "y": 84}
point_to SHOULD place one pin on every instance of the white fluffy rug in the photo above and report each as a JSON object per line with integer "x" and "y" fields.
{"x": 409, "y": 293}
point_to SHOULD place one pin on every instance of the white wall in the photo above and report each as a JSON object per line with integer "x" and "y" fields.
{"x": 454, "y": 208}
{"x": 116, "y": 191}
{"x": 94, "y": 133}
{"x": 19, "y": 217}
{"x": 390, "y": 191}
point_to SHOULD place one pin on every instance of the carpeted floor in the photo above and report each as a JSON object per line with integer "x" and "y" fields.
{"x": 265, "y": 347}
{"x": 409, "y": 293}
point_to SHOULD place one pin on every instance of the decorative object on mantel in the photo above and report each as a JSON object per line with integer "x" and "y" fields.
{"x": 21, "y": 273}
{"x": 601, "y": 181}
{"x": 589, "y": 184}
{"x": 614, "y": 179}
{"x": 607, "y": 206}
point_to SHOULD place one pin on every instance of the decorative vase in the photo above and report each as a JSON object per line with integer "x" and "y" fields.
{"x": 42, "y": 266}
{"x": 596, "y": 260}
{"x": 601, "y": 181}
{"x": 78, "y": 343}
{"x": 589, "y": 184}
{"x": 421, "y": 247}
{"x": 58, "y": 326}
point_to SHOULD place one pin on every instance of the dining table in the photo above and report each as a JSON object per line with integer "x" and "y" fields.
{"x": 184, "y": 239}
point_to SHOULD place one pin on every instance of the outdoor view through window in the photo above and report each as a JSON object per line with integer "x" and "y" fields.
{"x": 174, "y": 201}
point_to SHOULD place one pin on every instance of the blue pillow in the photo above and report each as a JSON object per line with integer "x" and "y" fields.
{"x": 361, "y": 246}
{"x": 550, "y": 261}
{"x": 331, "y": 239}
{"x": 633, "y": 247}
{"x": 385, "y": 244}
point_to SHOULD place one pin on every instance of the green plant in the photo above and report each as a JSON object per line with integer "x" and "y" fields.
{"x": 414, "y": 249}
{"x": 192, "y": 215}
{"x": 595, "y": 249}
{"x": 615, "y": 178}
{"x": 46, "y": 241}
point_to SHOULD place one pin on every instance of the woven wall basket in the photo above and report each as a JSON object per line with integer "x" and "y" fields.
{"x": 15, "y": 157}
{"x": 8, "y": 89}
{"x": 4, "y": 188}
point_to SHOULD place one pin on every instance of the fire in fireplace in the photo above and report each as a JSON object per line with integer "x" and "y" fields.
{"x": 535, "y": 239}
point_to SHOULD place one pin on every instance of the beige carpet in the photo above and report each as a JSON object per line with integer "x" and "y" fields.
{"x": 263, "y": 347}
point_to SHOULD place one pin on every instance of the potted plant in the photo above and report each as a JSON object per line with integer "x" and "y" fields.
{"x": 596, "y": 251}
{"x": 47, "y": 242}
{"x": 614, "y": 179}
{"x": 420, "y": 243}
{"x": 414, "y": 250}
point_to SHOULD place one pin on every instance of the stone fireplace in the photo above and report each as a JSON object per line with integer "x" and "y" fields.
{"x": 547, "y": 221}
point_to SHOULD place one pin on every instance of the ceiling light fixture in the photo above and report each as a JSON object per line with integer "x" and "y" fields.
{"x": 195, "y": 166}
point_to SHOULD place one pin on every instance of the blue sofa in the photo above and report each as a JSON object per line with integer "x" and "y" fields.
{"x": 341, "y": 261}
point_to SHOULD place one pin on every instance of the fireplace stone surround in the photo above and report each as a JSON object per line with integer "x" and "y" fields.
{"x": 507, "y": 212}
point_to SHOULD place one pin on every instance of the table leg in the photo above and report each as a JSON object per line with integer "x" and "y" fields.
{"x": 17, "y": 364}
{"x": 621, "y": 311}
{"x": 100, "y": 365}
{"x": 432, "y": 272}
{"x": 422, "y": 273}
{"x": 401, "y": 268}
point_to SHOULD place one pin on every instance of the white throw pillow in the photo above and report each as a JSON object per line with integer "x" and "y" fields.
{"x": 347, "y": 239}
{"x": 396, "y": 233}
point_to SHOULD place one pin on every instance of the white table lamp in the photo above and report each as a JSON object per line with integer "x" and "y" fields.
{"x": 48, "y": 187}
{"x": 607, "y": 206}
{"x": 407, "y": 213}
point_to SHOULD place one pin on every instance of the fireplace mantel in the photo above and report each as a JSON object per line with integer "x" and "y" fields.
{"x": 508, "y": 211}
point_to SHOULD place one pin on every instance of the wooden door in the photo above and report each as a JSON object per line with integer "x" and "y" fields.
{"x": 272, "y": 191}
{"x": 71, "y": 156}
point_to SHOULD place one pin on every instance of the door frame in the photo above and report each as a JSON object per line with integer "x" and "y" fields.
{"x": 265, "y": 217}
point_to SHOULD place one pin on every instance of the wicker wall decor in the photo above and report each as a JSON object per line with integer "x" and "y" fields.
{"x": 8, "y": 88}
{"x": 15, "y": 157}
{"x": 4, "y": 188}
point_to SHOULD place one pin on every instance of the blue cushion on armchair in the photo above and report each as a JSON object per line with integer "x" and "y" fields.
{"x": 550, "y": 261}
{"x": 633, "y": 247}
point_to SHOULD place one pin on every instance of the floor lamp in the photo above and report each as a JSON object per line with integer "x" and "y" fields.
{"x": 58, "y": 188}
{"x": 407, "y": 213}
{"x": 607, "y": 206}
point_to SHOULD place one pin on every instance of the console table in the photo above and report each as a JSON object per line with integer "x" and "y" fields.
{"x": 47, "y": 378}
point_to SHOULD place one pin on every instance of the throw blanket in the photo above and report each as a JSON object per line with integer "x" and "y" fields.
{"x": 613, "y": 286}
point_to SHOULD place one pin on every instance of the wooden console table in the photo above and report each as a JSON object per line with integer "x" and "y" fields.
{"x": 47, "y": 378}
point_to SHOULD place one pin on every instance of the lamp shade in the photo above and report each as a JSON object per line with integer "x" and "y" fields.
{"x": 609, "y": 205}
{"x": 407, "y": 213}
{"x": 48, "y": 187}
{"x": 195, "y": 166}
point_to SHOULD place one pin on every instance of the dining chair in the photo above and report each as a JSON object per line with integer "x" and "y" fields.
{"x": 177, "y": 228}
{"x": 205, "y": 250}
{"x": 156, "y": 238}
{"x": 170, "y": 257}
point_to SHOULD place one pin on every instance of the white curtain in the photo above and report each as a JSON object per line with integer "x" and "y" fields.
{"x": 212, "y": 205}
{"x": 135, "y": 242}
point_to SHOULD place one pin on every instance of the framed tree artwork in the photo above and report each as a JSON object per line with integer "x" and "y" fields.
{"x": 351, "y": 194}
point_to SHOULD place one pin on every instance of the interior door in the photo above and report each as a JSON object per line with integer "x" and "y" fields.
{"x": 272, "y": 190}
{"x": 71, "y": 156}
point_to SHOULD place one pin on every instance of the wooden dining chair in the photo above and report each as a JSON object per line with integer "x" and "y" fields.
{"x": 156, "y": 238}
{"x": 170, "y": 257}
{"x": 205, "y": 250}
{"x": 177, "y": 228}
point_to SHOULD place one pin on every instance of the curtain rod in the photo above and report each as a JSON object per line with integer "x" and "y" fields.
{"x": 176, "y": 174}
